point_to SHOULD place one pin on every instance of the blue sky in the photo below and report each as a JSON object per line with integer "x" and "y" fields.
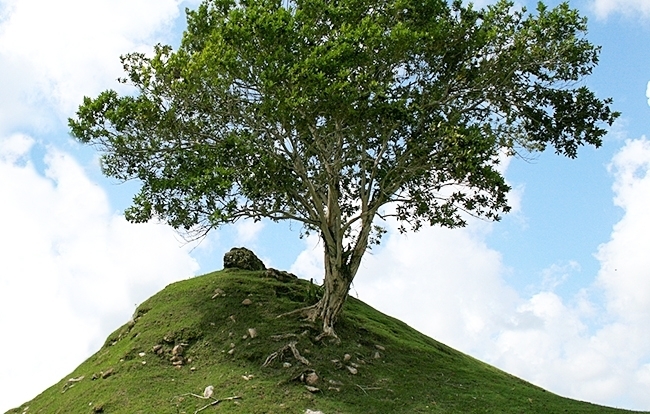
{"x": 557, "y": 293}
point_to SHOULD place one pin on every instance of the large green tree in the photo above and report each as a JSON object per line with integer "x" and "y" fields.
{"x": 338, "y": 113}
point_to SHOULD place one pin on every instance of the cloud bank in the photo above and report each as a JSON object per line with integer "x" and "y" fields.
{"x": 71, "y": 270}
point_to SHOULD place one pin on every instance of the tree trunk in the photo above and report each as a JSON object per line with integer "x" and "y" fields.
{"x": 337, "y": 284}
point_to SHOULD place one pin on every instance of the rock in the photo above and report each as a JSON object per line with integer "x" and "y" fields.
{"x": 280, "y": 275}
{"x": 312, "y": 389}
{"x": 208, "y": 391}
{"x": 247, "y": 302}
{"x": 311, "y": 378}
{"x": 381, "y": 348}
{"x": 346, "y": 357}
{"x": 242, "y": 258}
{"x": 107, "y": 373}
{"x": 377, "y": 355}
{"x": 178, "y": 350}
{"x": 352, "y": 370}
{"x": 218, "y": 292}
{"x": 157, "y": 349}
{"x": 308, "y": 411}
{"x": 287, "y": 364}
{"x": 252, "y": 332}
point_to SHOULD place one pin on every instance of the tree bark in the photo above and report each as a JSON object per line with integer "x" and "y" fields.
{"x": 337, "y": 285}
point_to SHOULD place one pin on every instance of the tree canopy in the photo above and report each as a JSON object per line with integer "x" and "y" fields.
{"x": 338, "y": 113}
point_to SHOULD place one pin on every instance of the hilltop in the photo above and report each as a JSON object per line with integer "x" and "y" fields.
{"x": 222, "y": 330}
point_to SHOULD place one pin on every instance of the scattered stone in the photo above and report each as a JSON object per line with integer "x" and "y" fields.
{"x": 312, "y": 389}
{"x": 335, "y": 382}
{"x": 377, "y": 355}
{"x": 178, "y": 350}
{"x": 287, "y": 364}
{"x": 311, "y": 378}
{"x": 244, "y": 337}
{"x": 98, "y": 409}
{"x": 208, "y": 391}
{"x": 144, "y": 362}
{"x": 242, "y": 258}
{"x": 77, "y": 379}
{"x": 218, "y": 292}
{"x": 308, "y": 411}
{"x": 248, "y": 377}
{"x": 107, "y": 373}
{"x": 142, "y": 354}
{"x": 177, "y": 360}
{"x": 346, "y": 357}
{"x": 252, "y": 332}
{"x": 193, "y": 369}
{"x": 247, "y": 302}
{"x": 381, "y": 348}
{"x": 352, "y": 370}
{"x": 157, "y": 349}
{"x": 280, "y": 275}
{"x": 232, "y": 351}
{"x": 232, "y": 318}
{"x": 354, "y": 365}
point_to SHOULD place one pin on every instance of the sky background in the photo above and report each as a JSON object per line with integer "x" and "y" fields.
{"x": 557, "y": 293}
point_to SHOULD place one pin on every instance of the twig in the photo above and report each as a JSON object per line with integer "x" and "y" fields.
{"x": 285, "y": 336}
{"x": 367, "y": 388}
{"x": 215, "y": 402}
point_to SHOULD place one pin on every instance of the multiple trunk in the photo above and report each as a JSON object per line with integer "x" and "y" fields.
{"x": 341, "y": 262}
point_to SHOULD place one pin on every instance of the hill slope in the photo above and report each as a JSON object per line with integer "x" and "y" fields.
{"x": 220, "y": 328}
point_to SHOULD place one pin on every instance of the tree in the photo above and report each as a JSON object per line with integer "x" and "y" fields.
{"x": 337, "y": 114}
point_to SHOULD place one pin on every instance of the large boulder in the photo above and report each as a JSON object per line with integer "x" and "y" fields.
{"x": 242, "y": 258}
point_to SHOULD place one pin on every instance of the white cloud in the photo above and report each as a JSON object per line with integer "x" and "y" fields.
{"x": 58, "y": 51}
{"x": 625, "y": 271}
{"x": 309, "y": 263}
{"x": 604, "y": 8}
{"x": 71, "y": 271}
{"x": 247, "y": 231}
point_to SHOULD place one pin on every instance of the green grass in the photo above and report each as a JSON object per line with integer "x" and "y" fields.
{"x": 399, "y": 369}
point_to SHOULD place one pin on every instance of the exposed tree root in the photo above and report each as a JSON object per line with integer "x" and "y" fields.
{"x": 310, "y": 312}
{"x": 290, "y": 346}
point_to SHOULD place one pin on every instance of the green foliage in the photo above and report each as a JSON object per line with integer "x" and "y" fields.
{"x": 407, "y": 373}
{"x": 270, "y": 109}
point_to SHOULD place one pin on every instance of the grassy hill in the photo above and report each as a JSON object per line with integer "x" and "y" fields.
{"x": 220, "y": 328}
